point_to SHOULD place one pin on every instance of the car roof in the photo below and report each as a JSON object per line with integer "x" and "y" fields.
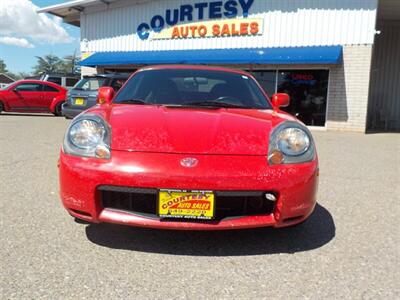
{"x": 109, "y": 75}
{"x": 193, "y": 67}
{"x": 31, "y": 81}
{"x": 69, "y": 75}
{"x": 40, "y": 82}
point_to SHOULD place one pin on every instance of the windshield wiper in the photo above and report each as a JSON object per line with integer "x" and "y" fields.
{"x": 214, "y": 103}
{"x": 132, "y": 101}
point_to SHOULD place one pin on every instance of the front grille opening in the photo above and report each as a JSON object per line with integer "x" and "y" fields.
{"x": 228, "y": 204}
{"x": 242, "y": 205}
{"x": 82, "y": 213}
{"x": 288, "y": 220}
{"x": 130, "y": 201}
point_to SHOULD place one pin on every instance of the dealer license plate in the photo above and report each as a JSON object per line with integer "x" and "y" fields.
{"x": 186, "y": 204}
{"x": 79, "y": 101}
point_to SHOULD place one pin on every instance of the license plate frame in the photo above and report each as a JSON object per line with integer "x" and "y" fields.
{"x": 79, "y": 101}
{"x": 180, "y": 209}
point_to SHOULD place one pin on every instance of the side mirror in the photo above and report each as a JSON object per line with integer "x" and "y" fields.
{"x": 105, "y": 95}
{"x": 280, "y": 100}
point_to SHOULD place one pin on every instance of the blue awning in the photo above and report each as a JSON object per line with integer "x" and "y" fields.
{"x": 275, "y": 56}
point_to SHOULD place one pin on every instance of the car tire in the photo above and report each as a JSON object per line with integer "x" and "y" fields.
{"x": 58, "y": 109}
{"x": 1, "y": 107}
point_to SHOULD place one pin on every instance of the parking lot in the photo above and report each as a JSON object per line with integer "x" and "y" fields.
{"x": 349, "y": 248}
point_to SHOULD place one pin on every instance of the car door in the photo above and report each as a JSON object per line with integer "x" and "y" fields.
{"x": 48, "y": 95}
{"x": 26, "y": 96}
{"x": 12, "y": 98}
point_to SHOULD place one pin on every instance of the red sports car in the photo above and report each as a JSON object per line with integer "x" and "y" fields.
{"x": 32, "y": 96}
{"x": 189, "y": 147}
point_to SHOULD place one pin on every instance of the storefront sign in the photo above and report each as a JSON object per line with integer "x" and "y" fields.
{"x": 221, "y": 28}
{"x": 306, "y": 79}
{"x": 199, "y": 11}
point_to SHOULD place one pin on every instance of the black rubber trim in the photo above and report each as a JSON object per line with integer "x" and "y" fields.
{"x": 114, "y": 188}
{"x": 139, "y": 214}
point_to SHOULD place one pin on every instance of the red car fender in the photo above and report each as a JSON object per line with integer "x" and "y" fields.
{"x": 57, "y": 100}
{"x": 5, "y": 104}
{"x": 3, "y": 100}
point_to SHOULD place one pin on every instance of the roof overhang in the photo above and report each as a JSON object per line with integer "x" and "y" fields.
{"x": 325, "y": 55}
{"x": 8, "y": 77}
{"x": 71, "y": 11}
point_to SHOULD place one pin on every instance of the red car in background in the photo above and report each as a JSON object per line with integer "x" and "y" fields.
{"x": 189, "y": 147}
{"x": 33, "y": 96}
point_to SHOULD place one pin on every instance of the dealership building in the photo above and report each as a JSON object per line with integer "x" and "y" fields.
{"x": 339, "y": 60}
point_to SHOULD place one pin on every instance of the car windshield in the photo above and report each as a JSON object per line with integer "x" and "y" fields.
{"x": 90, "y": 83}
{"x": 193, "y": 87}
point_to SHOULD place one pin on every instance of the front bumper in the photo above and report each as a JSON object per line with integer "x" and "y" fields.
{"x": 71, "y": 112}
{"x": 80, "y": 178}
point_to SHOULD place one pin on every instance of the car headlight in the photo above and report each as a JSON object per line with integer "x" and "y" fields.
{"x": 89, "y": 136}
{"x": 290, "y": 142}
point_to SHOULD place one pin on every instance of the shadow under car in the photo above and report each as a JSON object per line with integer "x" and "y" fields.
{"x": 316, "y": 231}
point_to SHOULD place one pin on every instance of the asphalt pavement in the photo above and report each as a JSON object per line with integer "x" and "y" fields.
{"x": 348, "y": 249}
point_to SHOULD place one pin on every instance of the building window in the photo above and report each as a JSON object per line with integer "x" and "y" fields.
{"x": 308, "y": 91}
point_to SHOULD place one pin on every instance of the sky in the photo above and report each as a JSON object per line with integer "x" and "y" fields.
{"x": 25, "y": 34}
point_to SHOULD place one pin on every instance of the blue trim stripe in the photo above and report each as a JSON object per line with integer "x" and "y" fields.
{"x": 278, "y": 56}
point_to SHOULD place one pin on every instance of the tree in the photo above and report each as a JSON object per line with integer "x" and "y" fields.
{"x": 3, "y": 66}
{"x": 16, "y": 76}
{"x": 53, "y": 64}
{"x": 22, "y": 75}
{"x": 49, "y": 64}
{"x": 3, "y": 69}
{"x": 70, "y": 62}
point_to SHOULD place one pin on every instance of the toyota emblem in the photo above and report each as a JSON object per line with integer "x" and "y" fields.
{"x": 189, "y": 162}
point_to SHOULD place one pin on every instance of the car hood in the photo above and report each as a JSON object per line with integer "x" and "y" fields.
{"x": 149, "y": 128}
